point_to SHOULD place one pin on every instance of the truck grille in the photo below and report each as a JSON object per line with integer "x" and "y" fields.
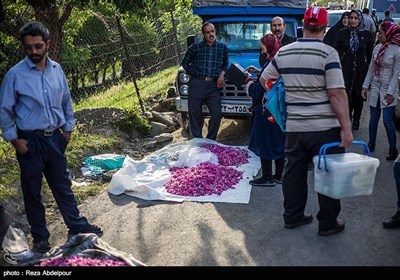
{"x": 230, "y": 90}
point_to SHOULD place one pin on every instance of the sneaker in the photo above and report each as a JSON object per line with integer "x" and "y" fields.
{"x": 41, "y": 247}
{"x": 89, "y": 229}
{"x": 393, "y": 222}
{"x": 278, "y": 179}
{"x": 336, "y": 229}
{"x": 305, "y": 220}
{"x": 262, "y": 182}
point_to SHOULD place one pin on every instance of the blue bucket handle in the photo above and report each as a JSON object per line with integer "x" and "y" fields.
{"x": 322, "y": 151}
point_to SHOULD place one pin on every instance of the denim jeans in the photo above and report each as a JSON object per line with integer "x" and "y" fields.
{"x": 375, "y": 115}
{"x": 396, "y": 173}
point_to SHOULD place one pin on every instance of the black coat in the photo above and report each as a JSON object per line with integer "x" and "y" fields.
{"x": 354, "y": 66}
{"x": 331, "y": 35}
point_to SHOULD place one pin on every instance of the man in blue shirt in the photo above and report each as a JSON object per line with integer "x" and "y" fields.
{"x": 36, "y": 116}
{"x": 206, "y": 62}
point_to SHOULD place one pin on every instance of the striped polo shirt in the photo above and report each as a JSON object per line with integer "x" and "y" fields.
{"x": 308, "y": 68}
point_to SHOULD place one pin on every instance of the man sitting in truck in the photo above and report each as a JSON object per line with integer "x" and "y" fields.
{"x": 278, "y": 27}
{"x": 206, "y": 62}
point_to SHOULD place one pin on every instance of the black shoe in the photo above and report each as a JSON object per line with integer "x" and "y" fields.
{"x": 356, "y": 125}
{"x": 337, "y": 228}
{"x": 89, "y": 229}
{"x": 262, "y": 182}
{"x": 371, "y": 147}
{"x": 305, "y": 220}
{"x": 41, "y": 247}
{"x": 278, "y": 179}
{"x": 392, "y": 155}
{"x": 393, "y": 222}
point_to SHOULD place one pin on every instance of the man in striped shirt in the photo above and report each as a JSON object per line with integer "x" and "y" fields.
{"x": 206, "y": 62}
{"x": 317, "y": 114}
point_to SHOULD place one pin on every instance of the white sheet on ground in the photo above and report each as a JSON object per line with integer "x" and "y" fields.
{"x": 145, "y": 179}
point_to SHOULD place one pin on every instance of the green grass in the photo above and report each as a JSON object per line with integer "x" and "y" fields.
{"x": 84, "y": 144}
{"x": 124, "y": 96}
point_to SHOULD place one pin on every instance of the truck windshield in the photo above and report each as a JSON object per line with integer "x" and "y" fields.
{"x": 244, "y": 36}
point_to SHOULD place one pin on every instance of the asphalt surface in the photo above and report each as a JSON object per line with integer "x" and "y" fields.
{"x": 222, "y": 234}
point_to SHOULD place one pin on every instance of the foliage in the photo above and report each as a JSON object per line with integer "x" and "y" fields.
{"x": 123, "y": 96}
{"x": 131, "y": 121}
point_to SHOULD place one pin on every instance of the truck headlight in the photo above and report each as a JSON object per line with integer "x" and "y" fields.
{"x": 184, "y": 78}
{"x": 184, "y": 90}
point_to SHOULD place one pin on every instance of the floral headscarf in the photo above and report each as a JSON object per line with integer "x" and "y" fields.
{"x": 354, "y": 42}
{"x": 272, "y": 43}
{"x": 392, "y": 38}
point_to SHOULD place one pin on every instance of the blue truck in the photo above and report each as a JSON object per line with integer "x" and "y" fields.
{"x": 240, "y": 25}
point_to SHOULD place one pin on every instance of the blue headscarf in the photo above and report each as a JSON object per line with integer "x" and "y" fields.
{"x": 354, "y": 42}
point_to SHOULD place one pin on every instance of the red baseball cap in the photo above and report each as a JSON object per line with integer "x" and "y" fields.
{"x": 316, "y": 16}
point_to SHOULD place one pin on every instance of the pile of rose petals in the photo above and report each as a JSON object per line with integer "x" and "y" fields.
{"x": 228, "y": 156}
{"x": 81, "y": 261}
{"x": 207, "y": 178}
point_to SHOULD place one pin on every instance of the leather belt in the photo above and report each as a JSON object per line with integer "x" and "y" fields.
{"x": 47, "y": 132}
{"x": 207, "y": 79}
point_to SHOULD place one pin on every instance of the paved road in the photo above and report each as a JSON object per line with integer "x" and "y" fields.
{"x": 223, "y": 234}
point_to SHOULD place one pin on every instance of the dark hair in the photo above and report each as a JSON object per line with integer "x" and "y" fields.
{"x": 204, "y": 25}
{"x": 34, "y": 28}
{"x": 387, "y": 13}
{"x": 314, "y": 29}
{"x": 365, "y": 11}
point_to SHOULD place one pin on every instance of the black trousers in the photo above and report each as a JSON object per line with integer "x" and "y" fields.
{"x": 204, "y": 92}
{"x": 266, "y": 167}
{"x": 300, "y": 148}
{"x": 46, "y": 157}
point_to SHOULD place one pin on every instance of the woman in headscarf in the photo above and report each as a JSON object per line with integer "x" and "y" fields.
{"x": 354, "y": 45}
{"x": 381, "y": 83}
{"x": 267, "y": 139}
{"x": 331, "y": 35}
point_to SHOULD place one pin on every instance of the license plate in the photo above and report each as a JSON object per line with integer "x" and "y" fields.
{"x": 238, "y": 109}
{"x": 234, "y": 109}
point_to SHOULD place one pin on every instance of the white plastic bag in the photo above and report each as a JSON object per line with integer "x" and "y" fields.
{"x": 16, "y": 246}
{"x": 198, "y": 155}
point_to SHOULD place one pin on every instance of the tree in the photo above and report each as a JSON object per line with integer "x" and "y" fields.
{"x": 54, "y": 13}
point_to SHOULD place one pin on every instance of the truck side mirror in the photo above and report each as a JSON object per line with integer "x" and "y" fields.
{"x": 189, "y": 40}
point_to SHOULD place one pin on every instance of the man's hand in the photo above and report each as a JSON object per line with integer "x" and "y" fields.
{"x": 221, "y": 80}
{"x": 67, "y": 136}
{"x": 20, "y": 145}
